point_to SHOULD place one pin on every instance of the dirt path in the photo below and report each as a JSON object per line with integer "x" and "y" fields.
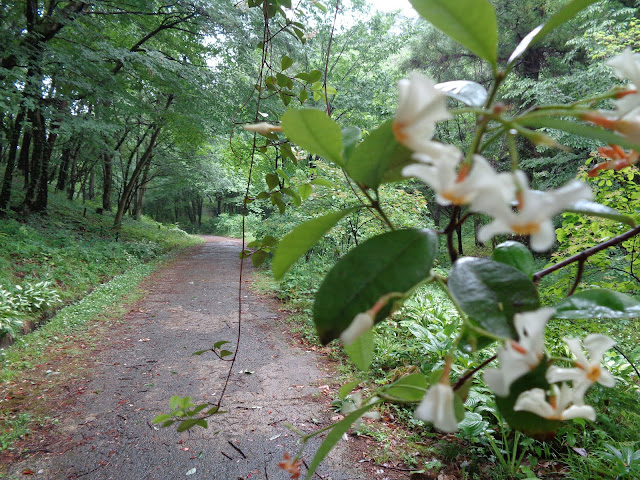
{"x": 191, "y": 304}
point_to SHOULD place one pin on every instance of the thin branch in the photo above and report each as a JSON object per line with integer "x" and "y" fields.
{"x": 578, "y": 277}
{"x": 583, "y": 256}
{"x": 326, "y": 66}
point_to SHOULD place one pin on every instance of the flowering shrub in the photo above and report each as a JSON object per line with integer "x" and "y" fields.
{"x": 497, "y": 298}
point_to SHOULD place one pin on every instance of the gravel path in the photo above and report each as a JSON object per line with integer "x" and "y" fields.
{"x": 191, "y": 304}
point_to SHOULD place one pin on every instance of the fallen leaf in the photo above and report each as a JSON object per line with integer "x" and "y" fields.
{"x": 192, "y": 471}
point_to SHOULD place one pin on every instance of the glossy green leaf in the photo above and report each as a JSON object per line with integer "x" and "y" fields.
{"x": 286, "y": 62}
{"x": 408, "y": 389}
{"x": 302, "y": 238}
{"x": 334, "y": 436}
{"x": 314, "y": 131}
{"x": 303, "y": 96}
{"x": 361, "y": 350}
{"x": 467, "y": 92}
{"x": 584, "y": 130}
{"x": 517, "y": 255}
{"x": 491, "y": 293}
{"x": 378, "y": 158}
{"x": 528, "y": 422}
{"x": 392, "y": 262}
{"x": 598, "y": 210}
{"x": 598, "y": 303}
{"x": 472, "y": 23}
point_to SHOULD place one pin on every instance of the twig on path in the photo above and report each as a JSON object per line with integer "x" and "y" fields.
{"x": 316, "y": 473}
{"x": 239, "y": 451}
{"x": 226, "y": 455}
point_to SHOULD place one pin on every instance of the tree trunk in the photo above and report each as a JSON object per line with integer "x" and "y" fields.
{"x": 35, "y": 166}
{"x": 7, "y": 182}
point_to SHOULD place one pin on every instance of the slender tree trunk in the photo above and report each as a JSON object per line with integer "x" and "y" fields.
{"x": 92, "y": 184}
{"x": 23, "y": 158}
{"x": 7, "y": 182}
{"x": 146, "y": 157}
{"x": 35, "y": 166}
{"x": 107, "y": 181}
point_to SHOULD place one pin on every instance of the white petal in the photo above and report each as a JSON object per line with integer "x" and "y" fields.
{"x": 496, "y": 227}
{"x": 437, "y": 407}
{"x": 559, "y": 374}
{"x": 606, "y": 379}
{"x": 544, "y": 239}
{"x": 530, "y": 327}
{"x": 495, "y": 380}
{"x": 597, "y": 344}
{"x": 575, "y": 345}
{"x": 579, "y": 411}
{"x": 361, "y": 323}
{"x": 534, "y": 401}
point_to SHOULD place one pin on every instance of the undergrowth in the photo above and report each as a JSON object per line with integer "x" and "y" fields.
{"x": 418, "y": 336}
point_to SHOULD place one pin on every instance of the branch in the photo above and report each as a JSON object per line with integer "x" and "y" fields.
{"x": 583, "y": 256}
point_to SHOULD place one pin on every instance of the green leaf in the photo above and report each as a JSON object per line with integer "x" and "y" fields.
{"x": 217, "y": 345}
{"x": 561, "y": 17}
{"x": 161, "y": 418}
{"x": 225, "y": 353}
{"x": 392, "y": 262}
{"x": 408, "y": 389}
{"x": 467, "y": 92}
{"x": 282, "y": 79}
{"x": 361, "y": 350}
{"x": 314, "y": 131}
{"x": 311, "y": 77}
{"x": 259, "y": 257}
{"x": 598, "y": 210}
{"x": 303, "y": 96}
{"x": 305, "y": 190}
{"x": 272, "y": 180}
{"x": 517, "y": 255}
{"x": 491, "y": 293}
{"x": 347, "y": 388}
{"x": 334, "y": 436}
{"x": 471, "y": 23}
{"x": 302, "y": 238}
{"x": 286, "y": 62}
{"x": 191, "y": 422}
{"x": 350, "y": 138}
{"x": 596, "y": 133}
{"x": 200, "y": 352}
{"x": 598, "y": 303}
{"x": 294, "y": 196}
{"x": 378, "y": 158}
{"x": 322, "y": 182}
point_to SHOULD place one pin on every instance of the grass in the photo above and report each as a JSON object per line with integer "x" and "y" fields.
{"x": 94, "y": 270}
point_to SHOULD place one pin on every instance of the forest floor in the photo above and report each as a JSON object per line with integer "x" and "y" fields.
{"x": 104, "y": 390}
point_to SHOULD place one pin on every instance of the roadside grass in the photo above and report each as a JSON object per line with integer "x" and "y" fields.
{"x": 419, "y": 335}
{"x": 90, "y": 273}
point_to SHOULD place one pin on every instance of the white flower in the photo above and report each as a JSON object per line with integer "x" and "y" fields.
{"x": 420, "y": 107}
{"x": 534, "y": 214}
{"x": 263, "y": 128}
{"x": 587, "y": 371}
{"x": 352, "y": 403}
{"x": 627, "y": 65}
{"x": 437, "y": 407}
{"x": 360, "y": 324}
{"x": 518, "y": 358}
{"x": 557, "y": 408}
{"x": 460, "y": 187}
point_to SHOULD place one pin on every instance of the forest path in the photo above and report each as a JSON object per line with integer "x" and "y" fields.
{"x": 191, "y": 303}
